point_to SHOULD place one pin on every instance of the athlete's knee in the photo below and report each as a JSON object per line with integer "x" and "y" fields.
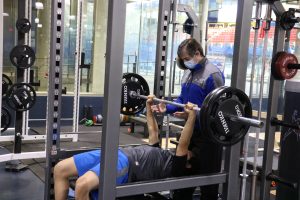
{"x": 82, "y": 185}
{"x": 60, "y": 170}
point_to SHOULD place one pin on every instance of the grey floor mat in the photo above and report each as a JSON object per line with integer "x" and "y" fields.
{"x": 19, "y": 185}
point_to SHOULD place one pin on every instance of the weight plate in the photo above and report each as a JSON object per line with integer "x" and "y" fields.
{"x": 22, "y": 56}
{"x": 281, "y": 65}
{"x": 23, "y": 25}
{"x": 205, "y": 106}
{"x": 21, "y": 97}
{"x": 6, "y": 83}
{"x": 5, "y": 119}
{"x": 188, "y": 26}
{"x": 224, "y": 102}
{"x": 285, "y": 20}
{"x": 133, "y": 82}
{"x": 273, "y": 66}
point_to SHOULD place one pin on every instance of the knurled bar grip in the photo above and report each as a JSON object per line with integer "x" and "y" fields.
{"x": 134, "y": 94}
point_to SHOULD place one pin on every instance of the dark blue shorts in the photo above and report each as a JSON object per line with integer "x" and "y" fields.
{"x": 90, "y": 161}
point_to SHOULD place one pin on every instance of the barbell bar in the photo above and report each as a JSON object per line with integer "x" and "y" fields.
{"x": 225, "y": 115}
{"x": 133, "y": 94}
{"x": 240, "y": 119}
{"x": 275, "y": 122}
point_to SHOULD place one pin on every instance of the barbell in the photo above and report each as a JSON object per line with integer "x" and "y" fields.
{"x": 250, "y": 121}
{"x": 225, "y": 116}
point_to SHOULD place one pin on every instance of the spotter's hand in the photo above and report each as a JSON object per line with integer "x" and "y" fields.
{"x": 150, "y": 100}
{"x": 159, "y": 108}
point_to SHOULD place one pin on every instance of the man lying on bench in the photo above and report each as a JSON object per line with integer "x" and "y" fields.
{"x": 140, "y": 163}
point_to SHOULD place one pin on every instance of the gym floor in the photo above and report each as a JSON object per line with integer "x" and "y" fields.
{"x": 29, "y": 183}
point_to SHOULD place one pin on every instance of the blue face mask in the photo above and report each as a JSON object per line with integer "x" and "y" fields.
{"x": 191, "y": 64}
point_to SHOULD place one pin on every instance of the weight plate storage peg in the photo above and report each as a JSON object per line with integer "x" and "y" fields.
{"x": 219, "y": 111}
{"x": 22, "y": 56}
{"x": 6, "y": 83}
{"x": 133, "y": 82}
{"x": 23, "y": 25}
{"x": 5, "y": 119}
{"x": 284, "y": 66}
{"x": 21, "y": 97}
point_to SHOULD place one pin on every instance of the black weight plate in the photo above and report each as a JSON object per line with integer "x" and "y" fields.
{"x": 21, "y": 97}
{"x": 204, "y": 108}
{"x": 206, "y": 114}
{"x": 6, "y": 83}
{"x": 133, "y": 82}
{"x": 207, "y": 99}
{"x": 224, "y": 102}
{"x": 23, "y": 25}
{"x": 285, "y": 20}
{"x": 22, "y": 56}
{"x": 5, "y": 119}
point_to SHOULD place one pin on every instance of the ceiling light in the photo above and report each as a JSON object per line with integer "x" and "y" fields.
{"x": 39, "y": 5}
{"x": 72, "y": 17}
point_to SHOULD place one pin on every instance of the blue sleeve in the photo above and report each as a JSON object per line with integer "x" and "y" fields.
{"x": 214, "y": 81}
{"x": 172, "y": 108}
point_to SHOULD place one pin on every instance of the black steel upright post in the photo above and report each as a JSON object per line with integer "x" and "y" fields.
{"x": 272, "y": 109}
{"x": 164, "y": 16}
{"x": 112, "y": 100}
{"x": 16, "y": 165}
{"x": 1, "y": 51}
{"x": 20, "y": 79}
{"x": 162, "y": 47}
{"x": 54, "y": 94}
{"x": 239, "y": 71}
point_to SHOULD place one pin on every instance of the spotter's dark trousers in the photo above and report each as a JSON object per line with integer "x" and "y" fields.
{"x": 209, "y": 159}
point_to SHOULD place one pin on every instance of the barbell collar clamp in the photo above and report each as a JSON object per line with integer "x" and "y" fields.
{"x": 246, "y": 121}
